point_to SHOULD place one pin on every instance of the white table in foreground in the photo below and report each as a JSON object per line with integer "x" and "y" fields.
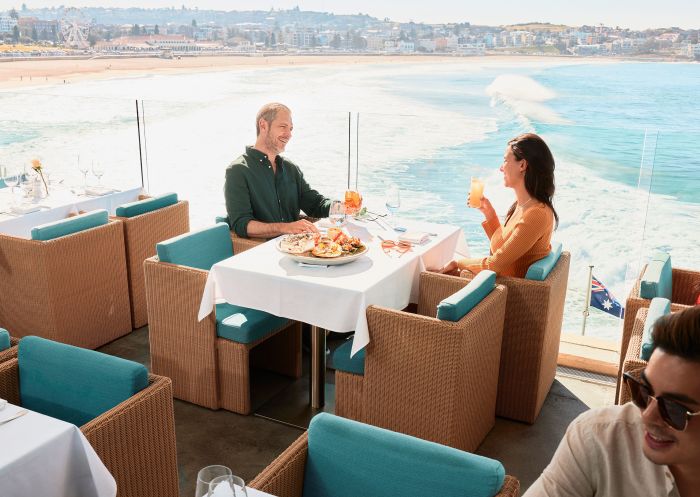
{"x": 335, "y": 297}
{"x": 58, "y": 205}
{"x": 41, "y": 455}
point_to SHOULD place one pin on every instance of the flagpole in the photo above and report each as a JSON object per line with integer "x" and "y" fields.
{"x": 588, "y": 300}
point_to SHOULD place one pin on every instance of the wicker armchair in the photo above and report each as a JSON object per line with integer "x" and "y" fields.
{"x": 206, "y": 369}
{"x": 684, "y": 282}
{"x": 141, "y": 233}
{"x": 419, "y": 369}
{"x": 531, "y": 333}
{"x": 240, "y": 244}
{"x": 284, "y": 477}
{"x": 135, "y": 440}
{"x": 71, "y": 289}
{"x": 11, "y": 353}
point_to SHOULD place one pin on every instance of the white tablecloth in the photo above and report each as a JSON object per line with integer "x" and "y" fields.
{"x": 47, "y": 457}
{"x": 334, "y": 297}
{"x": 58, "y": 205}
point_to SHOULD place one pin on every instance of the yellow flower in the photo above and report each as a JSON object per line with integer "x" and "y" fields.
{"x": 36, "y": 165}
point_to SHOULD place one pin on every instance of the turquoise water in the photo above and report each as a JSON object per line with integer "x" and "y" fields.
{"x": 427, "y": 128}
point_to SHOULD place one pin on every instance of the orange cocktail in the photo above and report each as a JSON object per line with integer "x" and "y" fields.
{"x": 476, "y": 193}
{"x": 353, "y": 202}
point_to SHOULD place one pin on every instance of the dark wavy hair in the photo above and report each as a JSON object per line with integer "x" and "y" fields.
{"x": 678, "y": 333}
{"x": 539, "y": 175}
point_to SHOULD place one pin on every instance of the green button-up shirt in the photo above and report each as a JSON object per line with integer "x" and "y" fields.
{"x": 254, "y": 192}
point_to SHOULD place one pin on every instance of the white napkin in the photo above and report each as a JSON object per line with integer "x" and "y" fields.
{"x": 3, "y": 403}
{"x": 415, "y": 237}
{"x": 98, "y": 191}
{"x": 359, "y": 231}
{"x": 24, "y": 208}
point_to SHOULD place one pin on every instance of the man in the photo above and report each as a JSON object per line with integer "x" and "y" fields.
{"x": 649, "y": 447}
{"x": 264, "y": 191}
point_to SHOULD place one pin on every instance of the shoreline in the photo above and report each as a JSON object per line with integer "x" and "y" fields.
{"x": 22, "y": 74}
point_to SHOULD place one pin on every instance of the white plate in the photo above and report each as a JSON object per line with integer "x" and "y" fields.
{"x": 324, "y": 261}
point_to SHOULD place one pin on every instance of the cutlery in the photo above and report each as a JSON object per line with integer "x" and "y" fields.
{"x": 18, "y": 414}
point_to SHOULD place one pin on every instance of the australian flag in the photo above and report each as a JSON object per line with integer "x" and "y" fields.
{"x": 602, "y": 299}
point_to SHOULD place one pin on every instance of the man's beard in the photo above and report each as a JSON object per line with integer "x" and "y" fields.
{"x": 272, "y": 144}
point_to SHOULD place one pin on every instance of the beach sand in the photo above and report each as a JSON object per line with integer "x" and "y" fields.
{"x": 16, "y": 74}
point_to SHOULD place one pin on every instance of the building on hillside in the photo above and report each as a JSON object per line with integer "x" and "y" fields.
{"x": 7, "y": 24}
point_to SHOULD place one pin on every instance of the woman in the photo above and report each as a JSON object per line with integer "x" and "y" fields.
{"x": 528, "y": 168}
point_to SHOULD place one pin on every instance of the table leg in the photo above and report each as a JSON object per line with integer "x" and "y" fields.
{"x": 317, "y": 390}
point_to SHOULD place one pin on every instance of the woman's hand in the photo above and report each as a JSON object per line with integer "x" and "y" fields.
{"x": 450, "y": 268}
{"x": 486, "y": 208}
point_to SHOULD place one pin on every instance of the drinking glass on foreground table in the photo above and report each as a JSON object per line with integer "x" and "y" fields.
{"x": 336, "y": 213}
{"x": 207, "y": 475}
{"x": 227, "y": 486}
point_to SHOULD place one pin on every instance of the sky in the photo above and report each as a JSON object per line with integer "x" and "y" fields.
{"x": 639, "y": 14}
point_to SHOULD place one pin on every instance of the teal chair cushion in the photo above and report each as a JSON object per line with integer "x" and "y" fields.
{"x": 221, "y": 219}
{"x": 457, "y": 305}
{"x": 658, "y": 307}
{"x": 4, "y": 339}
{"x": 74, "y": 384}
{"x": 243, "y": 325}
{"x": 70, "y": 225}
{"x": 200, "y": 249}
{"x": 350, "y": 459}
{"x": 343, "y": 362}
{"x": 539, "y": 270}
{"x": 143, "y": 206}
{"x": 657, "y": 279}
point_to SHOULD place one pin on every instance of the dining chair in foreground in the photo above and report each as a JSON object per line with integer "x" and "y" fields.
{"x": 146, "y": 222}
{"x": 68, "y": 283}
{"x": 656, "y": 279}
{"x": 125, "y": 413}
{"x": 531, "y": 334}
{"x": 209, "y": 361}
{"x": 338, "y": 457}
{"x": 8, "y": 346}
{"x": 431, "y": 377}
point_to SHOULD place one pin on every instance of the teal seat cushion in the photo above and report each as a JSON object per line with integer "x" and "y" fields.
{"x": 4, "y": 339}
{"x": 74, "y": 384}
{"x": 200, "y": 249}
{"x": 657, "y": 308}
{"x": 539, "y": 270}
{"x": 70, "y": 225}
{"x": 343, "y": 362}
{"x": 457, "y": 305}
{"x": 221, "y": 219}
{"x": 243, "y": 325}
{"x": 657, "y": 279}
{"x": 350, "y": 459}
{"x": 139, "y": 207}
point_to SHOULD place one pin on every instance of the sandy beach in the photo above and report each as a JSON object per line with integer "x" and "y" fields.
{"x": 15, "y": 74}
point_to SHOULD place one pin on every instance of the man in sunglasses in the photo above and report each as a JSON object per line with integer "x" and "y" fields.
{"x": 648, "y": 447}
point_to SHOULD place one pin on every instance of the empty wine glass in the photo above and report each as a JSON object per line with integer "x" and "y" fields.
{"x": 393, "y": 202}
{"x": 83, "y": 168}
{"x": 205, "y": 477}
{"x": 12, "y": 179}
{"x": 227, "y": 486}
{"x": 336, "y": 213}
{"x": 98, "y": 171}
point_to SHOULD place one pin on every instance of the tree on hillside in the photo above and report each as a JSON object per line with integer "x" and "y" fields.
{"x": 92, "y": 39}
{"x": 35, "y": 35}
{"x": 194, "y": 23}
{"x": 15, "y": 34}
{"x": 337, "y": 41}
{"x": 14, "y": 14}
{"x": 135, "y": 31}
{"x": 156, "y": 30}
{"x": 24, "y": 7}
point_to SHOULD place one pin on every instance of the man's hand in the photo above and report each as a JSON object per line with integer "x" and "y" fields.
{"x": 301, "y": 226}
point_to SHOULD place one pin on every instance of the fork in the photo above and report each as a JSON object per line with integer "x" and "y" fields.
{"x": 16, "y": 415}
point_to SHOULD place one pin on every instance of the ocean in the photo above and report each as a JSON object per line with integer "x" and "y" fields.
{"x": 624, "y": 135}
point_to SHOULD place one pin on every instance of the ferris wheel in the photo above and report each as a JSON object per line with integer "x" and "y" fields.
{"x": 75, "y": 28}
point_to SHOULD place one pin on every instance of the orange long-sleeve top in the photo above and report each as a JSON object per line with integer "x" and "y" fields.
{"x": 524, "y": 239}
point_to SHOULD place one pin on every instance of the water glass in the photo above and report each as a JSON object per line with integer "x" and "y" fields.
{"x": 336, "y": 214}
{"x": 227, "y": 486}
{"x": 205, "y": 477}
{"x": 393, "y": 201}
{"x": 83, "y": 168}
{"x": 98, "y": 171}
{"x": 12, "y": 179}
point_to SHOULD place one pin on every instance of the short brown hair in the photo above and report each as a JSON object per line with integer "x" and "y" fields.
{"x": 678, "y": 333}
{"x": 268, "y": 113}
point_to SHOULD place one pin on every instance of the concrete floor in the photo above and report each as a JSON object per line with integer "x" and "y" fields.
{"x": 247, "y": 444}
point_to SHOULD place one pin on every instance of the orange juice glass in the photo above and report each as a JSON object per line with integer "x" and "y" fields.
{"x": 353, "y": 202}
{"x": 476, "y": 193}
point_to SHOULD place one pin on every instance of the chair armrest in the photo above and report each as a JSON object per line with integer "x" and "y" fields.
{"x": 10, "y": 353}
{"x": 9, "y": 381}
{"x": 241, "y": 244}
{"x": 685, "y": 286}
{"x": 433, "y": 287}
{"x": 510, "y": 488}
{"x": 136, "y": 441}
{"x": 284, "y": 477}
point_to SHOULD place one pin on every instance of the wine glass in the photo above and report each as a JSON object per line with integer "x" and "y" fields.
{"x": 83, "y": 168}
{"x": 227, "y": 486}
{"x": 353, "y": 202}
{"x": 12, "y": 179}
{"x": 336, "y": 213}
{"x": 98, "y": 171}
{"x": 393, "y": 202}
{"x": 205, "y": 477}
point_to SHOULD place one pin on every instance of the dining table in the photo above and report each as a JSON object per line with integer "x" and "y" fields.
{"x": 333, "y": 297}
{"x": 42, "y": 455}
{"x": 19, "y": 215}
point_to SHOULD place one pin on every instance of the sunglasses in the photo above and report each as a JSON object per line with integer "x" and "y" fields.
{"x": 400, "y": 247}
{"x": 674, "y": 414}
